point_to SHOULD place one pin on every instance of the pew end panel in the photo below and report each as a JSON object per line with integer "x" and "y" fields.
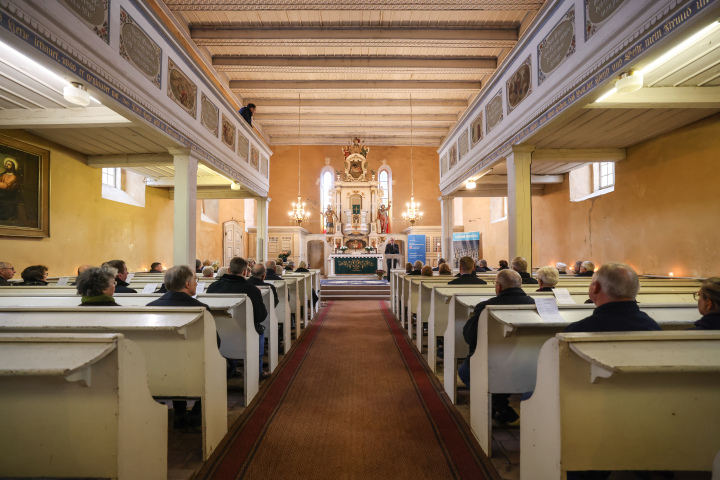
{"x": 623, "y": 401}
{"x": 78, "y": 405}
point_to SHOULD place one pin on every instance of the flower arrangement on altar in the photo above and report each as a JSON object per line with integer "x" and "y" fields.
{"x": 380, "y": 274}
{"x": 369, "y": 249}
{"x": 343, "y": 249}
{"x": 284, "y": 255}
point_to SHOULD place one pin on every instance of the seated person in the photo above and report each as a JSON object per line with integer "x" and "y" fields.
{"x": 508, "y": 291}
{"x": 302, "y": 267}
{"x": 271, "y": 271}
{"x": 426, "y": 271}
{"x": 222, "y": 271}
{"x": 181, "y": 285}
{"x": 547, "y": 278}
{"x": 215, "y": 265}
{"x": 503, "y": 265}
{"x": 234, "y": 282}
{"x": 586, "y": 269}
{"x": 576, "y": 267}
{"x": 467, "y": 274}
{"x": 257, "y": 278}
{"x": 97, "y": 286}
{"x": 121, "y": 267}
{"x": 613, "y": 290}
{"x": 417, "y": 268}
{"x": 207, "y": 263}
{"x": 279, "y": 270}
{"x": 440, "y": 262}
{"x": 290, "y": 266}
{"x": 482, "y": 266}
{"x": 156, "y": 267}
{"x": 519, "y": 264}
{"x": 208, "y": 272}
{"x": 7, "y": 271}
{"x": 561, "y": 268}
{"x": 445, "y": 269}
{"x": 198, "y": 266}
{"x": 708, "y": 299}
{"x": 34, "y": 275}
{"x": 408, "y": 268}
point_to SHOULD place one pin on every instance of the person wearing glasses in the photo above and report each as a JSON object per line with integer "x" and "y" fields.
{"x": 34, "y": 275}
{"x": 97, "y": 287}
{"x": 7, "y": 271}
{"x": 708, "y": 299}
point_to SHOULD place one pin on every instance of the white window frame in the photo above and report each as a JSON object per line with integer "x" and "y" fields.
{"x": 130, "y": 194}
{"x": 386, "y": 168}
{"x": 114, "y": 173}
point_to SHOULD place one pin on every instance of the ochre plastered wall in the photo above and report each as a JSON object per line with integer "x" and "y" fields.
{"x": 84, "y": 227}
{"x": 284, "y": 183}
{"x": 210, "y": 235}
{"x": 662, "y": 217}
{"x": 493, "y": 236}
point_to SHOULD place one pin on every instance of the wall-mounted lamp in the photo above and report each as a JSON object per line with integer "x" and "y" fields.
{"x": 235, "y": 186}
{"x": 629, "y": 82}
{"x": 77, "y": 94}
{"x": 470, "y": 184}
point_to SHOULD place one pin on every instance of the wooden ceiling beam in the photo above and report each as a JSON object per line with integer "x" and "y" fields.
{"x": 228, "y": 62}
{"x": 345, "y": 103}
{"x": 350, "y": 117}
{"x": 241, "y": 85}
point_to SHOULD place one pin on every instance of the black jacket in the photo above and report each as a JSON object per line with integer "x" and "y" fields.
{"x": 98, "y": 301}
{"x": 259, "y": 282}
{"x": 615, "y": 317}
{"x": 237, "y": 284}
{"x": 122, "y": 287}
{"x": 271, "y": 275}
{"x": 392, "y": 248}
{"x": 415, "y": 272}
{"x": 246, "y": 114}
{"x": 467, "y": 279}
{"x": 302, "y": 270}
{"x": 545, "y": 289}
{"x": 4, "y": 282}
{"x": 711, "y": 321}
{"x": 509, "y": 296}
{"x": 32, "y": 283}
{"x": 480, "y": 269}
{"x": 180, "y": 299}
{"x": 585, "y": 274}
{"x": 503, "y": 268}
{"x": 527, "y": 279}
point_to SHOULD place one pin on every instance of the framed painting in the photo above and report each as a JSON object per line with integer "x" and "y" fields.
{"x": 24, "y": 189}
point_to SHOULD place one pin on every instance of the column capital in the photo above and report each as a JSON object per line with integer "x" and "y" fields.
{"x": 179, "y": 151}
{"x": 523, "y": 148}
{"x": 446, "y": 198}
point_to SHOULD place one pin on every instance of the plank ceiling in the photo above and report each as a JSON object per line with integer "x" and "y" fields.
{"x": 351, "y": 66}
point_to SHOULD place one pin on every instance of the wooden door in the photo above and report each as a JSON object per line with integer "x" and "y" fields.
{"x": 316, "y": 255}
{"x": 232, "y": 241}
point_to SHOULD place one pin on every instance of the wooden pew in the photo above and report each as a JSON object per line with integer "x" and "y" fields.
{"x": 282, "y": 311}
{"x": 623, "y": 401}
{"x": 179, "y": 344}
{"x": 305, "y": 285}
{"x": 509, "y": 341}
{"x": 232, "y": 314}
{"x": 78, "y": 405}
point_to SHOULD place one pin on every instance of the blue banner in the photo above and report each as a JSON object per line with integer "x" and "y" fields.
{"x": 416, "y": 248}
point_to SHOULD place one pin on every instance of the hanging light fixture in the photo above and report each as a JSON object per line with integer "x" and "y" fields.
{"x": 298, "y": 213}
{"x": 413, "y": 213}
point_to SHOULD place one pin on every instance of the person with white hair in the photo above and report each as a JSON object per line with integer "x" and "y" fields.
{"x": 586, "y": 269}
{"x": 271, "y": 273}
{"x": 547, "y": 278}
{"x": 520, "y": 265}
{"x": 561, "y": 268}
{"x": 508, "y": 289}
{"x": 613, "y": 290}
{"x": 208, "y": 272}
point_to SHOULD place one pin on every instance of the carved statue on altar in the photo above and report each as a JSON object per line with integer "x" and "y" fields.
{"x": 356, "y": 164}
{"x": 330, "y": 218}
{"x": 383, "y": 216}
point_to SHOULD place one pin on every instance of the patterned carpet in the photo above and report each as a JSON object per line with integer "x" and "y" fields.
{"x": 353, "y": 282}
{"x": 351, "y": 400}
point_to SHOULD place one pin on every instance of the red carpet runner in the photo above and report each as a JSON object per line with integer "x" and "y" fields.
{"x": 352, "y": 400}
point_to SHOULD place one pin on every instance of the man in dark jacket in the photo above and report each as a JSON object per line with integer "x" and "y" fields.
{"x": 7, "y": 271}
{"x": 247, "y": 113}
{"x": 520, "y": 265}
{"x": 586, "y": 269}
{"x": 467, "y": 274}
{"x": 391, "y": 249}
{"x": 482, "y": 267}
{"x": 417, "y": 268}
{"x": 235, "y": 282}
{"x": 613, "y": 290}
{"x": 507, "y": 288}
{"x": 121, "y": 267}
{"x": 181, "y": 284}
{"x": 257, "y": 278}
{"x": 440, "y": 262}
{"x": 270, "y": 273}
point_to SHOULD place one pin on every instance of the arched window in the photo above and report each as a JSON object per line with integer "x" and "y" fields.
{"x": 327, "y": 176}
{"x": 385, "y": 184}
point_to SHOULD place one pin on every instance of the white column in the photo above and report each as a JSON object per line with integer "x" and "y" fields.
{"x": 519, "y": 203}
{"x": 184, "y": 206}
{"x": 262, "y": 227}
{"x": 447, "y": 222}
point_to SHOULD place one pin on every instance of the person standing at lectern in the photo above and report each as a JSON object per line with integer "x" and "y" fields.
{"x": 391, "y": 249}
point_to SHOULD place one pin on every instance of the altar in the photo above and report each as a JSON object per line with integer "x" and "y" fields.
{"x": 354, "y": 264}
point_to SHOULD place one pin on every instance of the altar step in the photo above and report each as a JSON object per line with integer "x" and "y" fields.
{"x": 355, "y": 292}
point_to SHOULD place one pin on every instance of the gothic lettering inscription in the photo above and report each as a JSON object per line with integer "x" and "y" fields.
{"x": 443, "y": 164}
{"x": 494, "y": 111}
{"x": 243, "y": 147}
{"x": 597, "y": 12}
{"x": 557, "y": 46}
{"x": 463, "y": 144}
{"x": 93, "y": 13}
{"x": 209, "y": 115}
{"x": 138, "y": 48}
{"x": 264, "y": 166}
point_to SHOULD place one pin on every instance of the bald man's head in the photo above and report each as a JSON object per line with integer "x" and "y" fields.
{"x": 508, "y": 279}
